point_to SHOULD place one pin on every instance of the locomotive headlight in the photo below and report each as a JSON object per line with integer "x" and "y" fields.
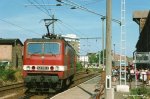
{"x": 28, "y": 68}
{"x": 57, "y": 68}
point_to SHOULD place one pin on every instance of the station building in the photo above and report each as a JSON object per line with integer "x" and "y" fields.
{"x": 10, "y": 53}
{"x": 142, "y": 18}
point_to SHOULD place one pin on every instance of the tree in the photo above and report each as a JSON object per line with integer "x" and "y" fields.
{"x": 92, "y": 58}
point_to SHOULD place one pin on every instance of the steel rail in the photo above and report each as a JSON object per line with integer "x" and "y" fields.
{"x": 12, "y": 86}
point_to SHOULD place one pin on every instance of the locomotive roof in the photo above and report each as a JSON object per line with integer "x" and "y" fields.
{"x": 43, "y": 39}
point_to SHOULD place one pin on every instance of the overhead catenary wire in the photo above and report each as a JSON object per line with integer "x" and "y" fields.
{"x": 19, "y": 27}
{"x": 67, "y": 25}
{"x": 93, "y": 2}
{"x": 49, "y": 7}
{"x": 88, "y": 44}
{"x": 45, "y": 7}
{"x": 72, "y": 29}
{"x": 75, "y": 5}
{"x": 36, "y": 4}
{"x": 44, "y": 10}
{"x": 61, "y": 22}
{"x": 59, "y": 28}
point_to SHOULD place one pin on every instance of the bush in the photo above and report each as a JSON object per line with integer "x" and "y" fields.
{"x": 140, "y": 91}
{"x": 18, "y": 75}
{"x": 10, "y": 76}
{"x": 7, "y": 75}
{"x": 79, "y": 66}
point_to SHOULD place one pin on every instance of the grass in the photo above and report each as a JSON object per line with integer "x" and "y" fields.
{"x": 9, "y": 76}
{"x": 140, "y": 93}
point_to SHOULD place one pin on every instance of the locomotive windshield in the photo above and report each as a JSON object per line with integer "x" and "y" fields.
{"x": 43, "y": 48}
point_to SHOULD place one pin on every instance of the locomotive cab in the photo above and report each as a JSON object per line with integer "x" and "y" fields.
{"x": 48, "y": 64}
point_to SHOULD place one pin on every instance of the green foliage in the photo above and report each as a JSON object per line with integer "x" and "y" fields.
{"x": 93, "y": 58}
{"x": 18, "y": 75}
{"x": 6, "y": 75}
{"x": 79, "y": 66}
{"x": 140, "y": 91}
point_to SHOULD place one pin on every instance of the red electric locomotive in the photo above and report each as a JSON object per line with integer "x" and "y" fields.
{"x": 48, "y": 64}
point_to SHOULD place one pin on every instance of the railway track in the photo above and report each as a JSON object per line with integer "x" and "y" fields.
{"x": 80, "y": 77}
{"x": 21, "y": 84}
{"x": 12, "y": 86}
{"x": 78, "y": 80}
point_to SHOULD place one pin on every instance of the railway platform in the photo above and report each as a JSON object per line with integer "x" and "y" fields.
{"x": 86, "y": 90}
{"x": 82, "y": 91}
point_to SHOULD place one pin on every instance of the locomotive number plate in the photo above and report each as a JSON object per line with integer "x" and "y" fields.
{"x": 42, "y": 68}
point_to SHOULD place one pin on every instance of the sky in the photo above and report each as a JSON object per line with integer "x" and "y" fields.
{"x": 22, "y": 19}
